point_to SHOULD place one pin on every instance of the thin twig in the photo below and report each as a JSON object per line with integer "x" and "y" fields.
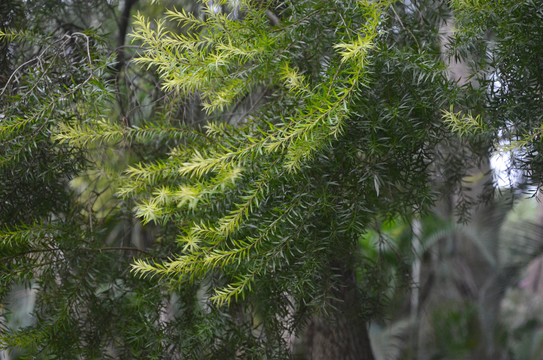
{"x": 403, "y": 26}
{"x": 88, "y": 45}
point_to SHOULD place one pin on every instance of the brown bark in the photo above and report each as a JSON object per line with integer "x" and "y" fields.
{"x": 343, "y": 335}
{"x": 123, "y": 28}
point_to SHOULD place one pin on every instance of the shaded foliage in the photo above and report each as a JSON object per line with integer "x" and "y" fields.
{"x": 243, "y": 188}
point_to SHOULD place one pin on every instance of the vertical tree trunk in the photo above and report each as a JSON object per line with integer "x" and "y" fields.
{"x": 123, "y": 28}
{"x": 343, "y": 335}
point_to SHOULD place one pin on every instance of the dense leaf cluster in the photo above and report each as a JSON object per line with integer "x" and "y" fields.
{"x": 315, "y": 122}
{"x": 337, "y": 143}
{"x": 502, "y": 40}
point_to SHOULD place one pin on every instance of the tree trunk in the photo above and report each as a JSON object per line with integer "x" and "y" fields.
{"x": 123, "y": 28}
{"x": 343, "y": 335}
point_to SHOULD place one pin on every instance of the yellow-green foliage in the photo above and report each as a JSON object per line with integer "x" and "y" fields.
{"x": 462, "y": 124}
{"x": 224, "y": 59}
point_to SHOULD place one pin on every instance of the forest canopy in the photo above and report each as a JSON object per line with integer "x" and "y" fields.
{"x": 268, "y": 179}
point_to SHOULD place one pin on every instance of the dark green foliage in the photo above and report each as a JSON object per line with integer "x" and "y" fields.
{"x": 42, "y": 89}
{"x": 280, "y": 137}
{"x": 503, "y": 41}
{"x": 267, "y": 213}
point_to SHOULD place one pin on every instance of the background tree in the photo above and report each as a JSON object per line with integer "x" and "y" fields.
{"x": 493, "y": 41}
